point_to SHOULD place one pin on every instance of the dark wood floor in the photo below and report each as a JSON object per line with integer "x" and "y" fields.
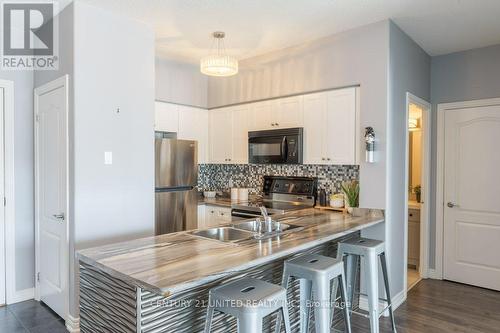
{"x": 440, "y": 306}
{"x": 432, "y": 306}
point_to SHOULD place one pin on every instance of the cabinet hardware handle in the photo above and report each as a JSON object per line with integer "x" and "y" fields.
{"x": 322, "y": 158}
{"x": 276, "y": 124}
{"x": 328, "y": 158}
{"x": 59, "y": 216}
{"x": 451, "y": 204}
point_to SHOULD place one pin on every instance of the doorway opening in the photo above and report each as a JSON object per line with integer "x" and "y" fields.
{"x": 418, "y": 171}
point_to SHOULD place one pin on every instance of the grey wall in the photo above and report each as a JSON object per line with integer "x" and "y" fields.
{"x": 409, "y": 71}
{"x": 180, "y": 83}
{"x": 355, "y": 57}
{"x": 114, "y": 69}
{"x": 23, "y": 177}
{"x": 462, "y": 76}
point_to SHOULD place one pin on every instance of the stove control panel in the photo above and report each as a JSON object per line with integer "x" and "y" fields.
{"x": 290, "y": 185}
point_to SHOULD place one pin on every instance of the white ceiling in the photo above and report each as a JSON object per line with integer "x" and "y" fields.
{"x": 255, "y": 27}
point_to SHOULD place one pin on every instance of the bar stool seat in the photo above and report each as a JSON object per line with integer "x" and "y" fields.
{"x": 249, "y": 300}
{"x": 371, "y": 250}
{"x": 315, "y": 273}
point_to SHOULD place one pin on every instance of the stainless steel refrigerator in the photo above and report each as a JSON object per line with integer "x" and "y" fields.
{"x": 176, "y": 170}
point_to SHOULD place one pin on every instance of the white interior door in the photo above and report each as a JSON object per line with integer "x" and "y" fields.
{"x": 51, "y": 107}
{"x": 2, "y": 195}
{"x": 471, "y": 196}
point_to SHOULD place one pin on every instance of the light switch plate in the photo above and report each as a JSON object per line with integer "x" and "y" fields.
{"x": 108, "y": 158}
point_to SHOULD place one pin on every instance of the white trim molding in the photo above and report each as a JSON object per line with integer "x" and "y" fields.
{"x": 397, "y": 300}
{"x": 10, "y": 247}
{"x": 438, "y": 272}
{"x": 73, "y": 324}
{"x": 21, "y": 295}
{"x": 426, "y": 170}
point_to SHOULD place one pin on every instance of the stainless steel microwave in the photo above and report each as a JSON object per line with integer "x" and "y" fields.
{"x": 280, "y": 146}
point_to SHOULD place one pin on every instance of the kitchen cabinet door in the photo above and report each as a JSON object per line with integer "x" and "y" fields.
{"x": 289, "y": 112}
{"x": 262, "y": 115}
{"x": 166, "y": 117}
{"x": 315, "y": 108}
{"x": 210, "y": 216}
{"x": 193, "y": 125}
{"x": 201, "y": 216}
{"x": 240, "y": 134}
{"x": 221, "y": 132}
{"x": 340, "y": 134}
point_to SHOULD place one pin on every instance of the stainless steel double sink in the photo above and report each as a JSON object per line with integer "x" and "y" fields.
{"x": 255, "y": 229}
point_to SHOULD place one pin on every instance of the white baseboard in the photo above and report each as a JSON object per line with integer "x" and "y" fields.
{"x": 396, "y": 302}
{"x": 433, "y": 274}
{"x": 73, "y": 324}
{"x": 21, "y": 296}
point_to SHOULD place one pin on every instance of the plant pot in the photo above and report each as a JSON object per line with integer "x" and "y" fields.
{"x": 356, "y": 211}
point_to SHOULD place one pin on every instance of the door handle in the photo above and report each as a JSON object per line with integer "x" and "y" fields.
{"x": 59, "y": 216}
{"x": 451, "y": 204}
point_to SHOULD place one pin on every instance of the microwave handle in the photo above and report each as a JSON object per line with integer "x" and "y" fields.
{"x": 284, "y": 149}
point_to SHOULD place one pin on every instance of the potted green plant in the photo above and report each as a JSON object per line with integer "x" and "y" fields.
{"x": 418, "y": 192}
{"x": 351, "y": 195}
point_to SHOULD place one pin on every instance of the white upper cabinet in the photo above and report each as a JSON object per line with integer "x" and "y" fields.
{"x": 193, "y": 125}
{"x": 229, "y": 135}
{"x": 340, "y": 147}
{"x": 261, "y": 115}
{"x": 221, "y": 132}
{"x": 277, "y": 113}
{"x": 330, "y": 127}
{"x": 315, "y": 107}
{"x": 290, "y": 112}
{"x": 240, "y": 134}
{"x": 190, "y": 123}
{"x": 166, "y": 117}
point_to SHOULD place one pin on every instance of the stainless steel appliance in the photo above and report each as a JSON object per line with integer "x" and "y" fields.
{"x": 281, "y": 146}
{"x": 280, "y": 195}
{"x": 176, "y": 177}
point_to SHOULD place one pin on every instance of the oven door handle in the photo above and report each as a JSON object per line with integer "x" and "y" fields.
{"x": 284, "y": 149}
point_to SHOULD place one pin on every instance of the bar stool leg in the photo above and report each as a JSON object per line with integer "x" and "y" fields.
{"x": 250, "y": 324}
{"x": 305, "y": 306}
{"x": 383, "y": 263}
{"x": 343, "y": 294}
{"x": 322, "y": 319}
{"x": 284, "y": 283}
{"x": 351, "y": 270}
{"x": 371, "y": 271}
{"x": 210, "y": 313}
{"x": 286, "y": 318}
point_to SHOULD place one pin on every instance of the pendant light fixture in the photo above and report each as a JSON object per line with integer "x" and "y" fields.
{"x": 219, "y": 63}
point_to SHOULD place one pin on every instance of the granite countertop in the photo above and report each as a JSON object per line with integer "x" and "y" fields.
{"x": 170, "y": 263}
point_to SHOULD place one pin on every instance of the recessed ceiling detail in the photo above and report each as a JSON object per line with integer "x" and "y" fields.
{"x": 261, "y": 26}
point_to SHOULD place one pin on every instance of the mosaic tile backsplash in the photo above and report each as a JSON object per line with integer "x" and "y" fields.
{"x": 220, "y": 177}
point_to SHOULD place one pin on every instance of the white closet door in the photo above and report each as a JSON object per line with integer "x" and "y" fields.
{"x": 471, "y": 196}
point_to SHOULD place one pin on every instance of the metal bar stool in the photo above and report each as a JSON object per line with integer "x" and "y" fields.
{"x": 369, "y": 249}
{"x": 249, "y": 300}
{"x": 316, "y": 273}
